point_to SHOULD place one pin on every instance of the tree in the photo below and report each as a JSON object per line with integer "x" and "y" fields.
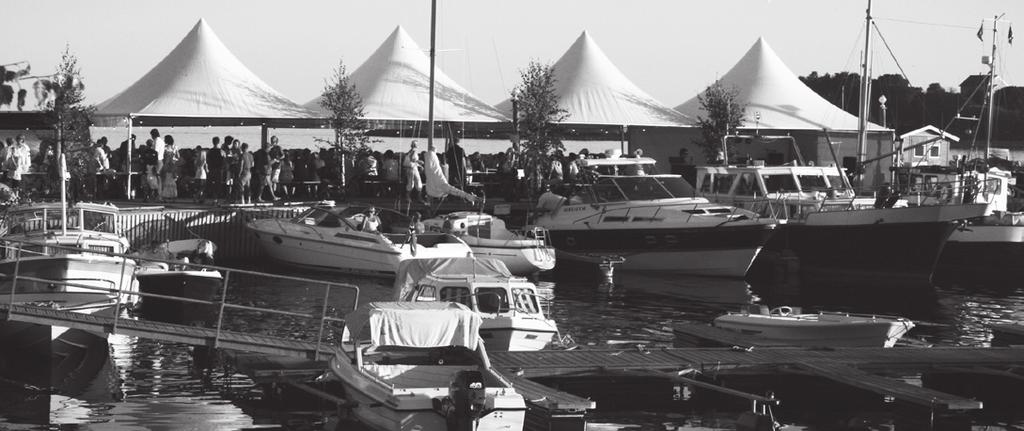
{"x": 538, "y": 112}
{"x": 71, "y": 119}
{"x": 724, "y": 113}
{"x": 345, "y": 107}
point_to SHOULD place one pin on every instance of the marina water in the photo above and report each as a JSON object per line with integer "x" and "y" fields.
{"x": 146, "y": 384}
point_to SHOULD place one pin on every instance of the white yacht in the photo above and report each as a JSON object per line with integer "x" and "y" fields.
{"x": 654, "y": 221}
{"x": 339, "y": 238}
{"x": 835, "y": 234}
{"x": 513, "y": 317}
{"x": 790, "y": 326}
{"x": 524, "y": 253}
{"x": 422, "y": 365}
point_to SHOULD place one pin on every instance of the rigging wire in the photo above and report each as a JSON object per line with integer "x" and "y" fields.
{"x": 891, "y": 54}
{"x": 497, "y": 60}
{"x": 934, "y": 24}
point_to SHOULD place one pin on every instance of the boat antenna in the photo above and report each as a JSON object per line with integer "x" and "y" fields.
{"x": 865, "y": 94}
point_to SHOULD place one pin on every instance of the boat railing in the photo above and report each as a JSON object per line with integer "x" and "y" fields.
{"x": 324, "y": 318}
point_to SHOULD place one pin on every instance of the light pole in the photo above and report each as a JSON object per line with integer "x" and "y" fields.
{"x": 881, "y": 101}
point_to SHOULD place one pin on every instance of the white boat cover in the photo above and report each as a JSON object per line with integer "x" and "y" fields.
{"x": 771, "y": 89}
{"x": 594, "y": 91}
{"x": 411, "y": 271}
{"x": 395, "y": 85}
{"x": 437, "y": 182}
{"x": 415, "y": 324}
{"x": 200, "y": 78}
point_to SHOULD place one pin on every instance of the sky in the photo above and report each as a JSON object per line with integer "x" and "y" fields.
{"x": 672, "y": 49}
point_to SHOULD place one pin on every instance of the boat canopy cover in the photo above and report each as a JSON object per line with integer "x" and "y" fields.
{"x": 412, "y": 271}
{"x": 415, "y": 324}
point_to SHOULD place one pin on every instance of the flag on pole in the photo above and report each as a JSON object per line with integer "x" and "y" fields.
{"x": 1009, "y": 36}
{"x": 981, "y": 31}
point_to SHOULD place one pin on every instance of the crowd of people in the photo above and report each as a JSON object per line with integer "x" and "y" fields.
{"x": 231, "y": 171}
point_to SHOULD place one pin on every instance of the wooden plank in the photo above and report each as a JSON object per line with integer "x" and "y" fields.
{"x": 549, "y": 398}
{"x": 890, "y": 387}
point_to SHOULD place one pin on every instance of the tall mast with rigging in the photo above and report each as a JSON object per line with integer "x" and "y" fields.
{"x": 991, "y": 88}
{"x": 865, "y": 94}
{"x": 430, "y": 103}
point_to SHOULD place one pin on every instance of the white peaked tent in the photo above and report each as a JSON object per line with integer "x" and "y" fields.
{"x": 201, "y": 82}
{"x": 594, "y": 91}
{"x": 395, "y": 85}
{"x": 771, "y": 89}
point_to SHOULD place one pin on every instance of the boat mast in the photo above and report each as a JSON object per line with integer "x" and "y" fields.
{"x": 430, "y": 103}
{"x": 991, "y": 89}
{"x": 865, "y": 94}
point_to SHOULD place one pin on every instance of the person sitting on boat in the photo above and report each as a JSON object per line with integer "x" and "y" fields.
{"x": 203, "y": 254}
{"x": 371, "y": 223}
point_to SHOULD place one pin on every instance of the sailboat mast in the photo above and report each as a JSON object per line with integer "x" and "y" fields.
{"x": 430, "y": 103}
{"x": 865, "y": 93}
{"x": 991, "y": 88}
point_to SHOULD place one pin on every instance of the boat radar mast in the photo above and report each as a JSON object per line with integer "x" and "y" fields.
{"x": 991, "y": 61}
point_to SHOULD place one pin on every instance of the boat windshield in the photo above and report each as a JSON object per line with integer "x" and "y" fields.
{"x": 618, "y": 189}
{"x": 49, "y": 220}
{"x": 492, "y": 300}
{"x": 525, "y": 300}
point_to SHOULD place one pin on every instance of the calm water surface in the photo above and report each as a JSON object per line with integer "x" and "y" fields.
{"x": 146, "y": 384}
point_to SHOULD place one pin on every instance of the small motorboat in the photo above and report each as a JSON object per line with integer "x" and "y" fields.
{"x": 513, "y": 317}
{"x": 524, "y": 253}
{"x": 790, "y": 326}
{"x": 357, "y": 239}
{"x": 176, "y": 269}
{"x": 422, "y": 365}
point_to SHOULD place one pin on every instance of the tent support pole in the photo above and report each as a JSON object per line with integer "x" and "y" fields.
{"x": 622, "y": 139}
{"x": 128, "y": 162}
{"x": 264, "y": 133}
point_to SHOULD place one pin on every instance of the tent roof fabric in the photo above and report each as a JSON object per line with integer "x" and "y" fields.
{"x": 594, "y": 91}
{"x": 415, "y": 324}
{"x": 394, "y": 83}
{"x": 771, "y": 89}
{"x": 201, "y": 78}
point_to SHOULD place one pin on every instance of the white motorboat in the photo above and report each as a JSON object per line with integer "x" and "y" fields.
{"x": 836, "y": 234}
{"x": 524, "y": 253}
{"x": 75, "y": 277}
{"x": 176, "y": 269}
{"x": 344, "y": 238}
{"x": 654, "y": 221}
{"x": 513, "y": 317}
{"x": 422, "y": 365}
{"x": 789, "y": 326}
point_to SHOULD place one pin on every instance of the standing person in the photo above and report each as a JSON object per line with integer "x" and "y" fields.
{"x": 147, "y": 157}
{"x": 232, "y": 161}
{"x": 261, "y": 171}
{"x": 158, "y": 146}
{"x": 6, "y": 161}
{"x": 412, "y": 166}
{"x": 169, "y": 170}
{"x": 287, "y": 176}
{"x": 21, "y": 158}
{"x": 215, "y": 164}
{"x": 456, "y": 158}
{"x": 245, "y": 167}
{"x": 202, "y": 168}
{"x": 276, "y": 155}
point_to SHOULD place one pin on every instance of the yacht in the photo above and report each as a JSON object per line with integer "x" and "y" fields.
{"x": 349, "y": 239}
{"x": 513, "y": 317}
{"x": 422, "y": 365}
{"x": 835, "y": 234}
{"x": 523, "y": 253}
{"x": 655, "y": 222}
{"x": 55, "y": 258}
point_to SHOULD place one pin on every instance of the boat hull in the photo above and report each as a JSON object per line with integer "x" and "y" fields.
{"x": 725, "y": 251}
{"x": 986, "y": 254}
{"x": 516, "y": 335}
{"x": 809, "y": 331}
{"x": 90, "y": 272}
{"x": 199, "y": 285}
{"x": 520, "y": 260}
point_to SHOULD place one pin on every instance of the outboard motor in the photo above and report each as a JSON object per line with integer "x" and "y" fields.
{"x": 466, "y": 400}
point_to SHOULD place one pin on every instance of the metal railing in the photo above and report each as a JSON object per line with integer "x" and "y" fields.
{"x": 222, "y": 304}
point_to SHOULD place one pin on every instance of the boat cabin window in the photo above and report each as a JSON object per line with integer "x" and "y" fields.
{"x": 812, "y": 182}
{"x": 723, "y": 183}
{"x": 426, "y": 293}
{"x": 642, "y": 189}
{"x": 776, "y": 183}
{"x": 525, "y": 300}
{"x": 676, "y": 186}
{"x": 456, "y": 294}
{"x": 605, "y": 190}
{"x": 836, "y": 182}
{"x": 99, "y": 222}
{"x": 747, "y": 185}
{"x": 707, "y": 183}
{"x": 491, "y": 300}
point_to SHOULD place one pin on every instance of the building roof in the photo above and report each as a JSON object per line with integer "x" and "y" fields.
{"x": 394, "y": 83}
{"x": 775, "y": 94}
{"x": 594, "y": 91}
{"x": 200, "y": 82}
{"x": 930, "y": 130}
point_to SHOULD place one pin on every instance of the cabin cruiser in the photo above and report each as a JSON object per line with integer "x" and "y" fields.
{"x": 837, "y": 235}
{"x": 352, "y": 238}
{"x": 653, "y": 221}
{"x": 513, "y": 318}
{"x": 982, "y": 249}
{"x": 523, "y": 253}
{"x": 177, "y": 269}
{"x": 422, "y": 365}
{"x": 76, "y": 277}
{"x": 790, "y": 326}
